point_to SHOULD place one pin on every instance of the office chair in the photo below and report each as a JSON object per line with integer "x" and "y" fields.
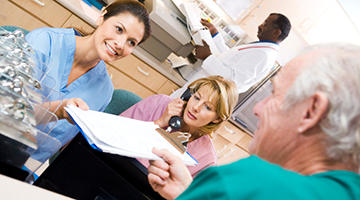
{"x": 121, "y": 101}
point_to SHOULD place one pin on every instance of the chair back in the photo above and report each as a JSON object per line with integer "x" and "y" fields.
{"x": 121, "y": 101}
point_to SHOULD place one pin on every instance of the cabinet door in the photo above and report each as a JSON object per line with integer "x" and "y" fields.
{"x": 248, "y": 11}
{"x": 47, "y": 10}
{"x": 306, "y": 12}
{"x": 10, "y": 14}
{"x": 262, "y": 11}
{"x": 231, "y": 154}
{"x": 76, "y": 22}
{"x": 220, "y": 143}
{"x": 332, "y": 26}
{"x": 230, "y": 132}
{"x": 168, "y": 88}
{"x": 226, "y": 140}
{"x": 141, "y": 72}
{"x": 121, "y": 81}
{"x": 244, "y": 142}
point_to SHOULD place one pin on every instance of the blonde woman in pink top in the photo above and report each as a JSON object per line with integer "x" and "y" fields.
{"x": 210, "y": 105}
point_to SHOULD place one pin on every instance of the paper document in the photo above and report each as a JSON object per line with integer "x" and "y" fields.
{"x": 178, "y": 61}
{"x": 197, "y": 31}
{"x": 124, "y": 136}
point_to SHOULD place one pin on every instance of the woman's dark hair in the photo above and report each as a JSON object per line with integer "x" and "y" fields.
{"x": 134, "y": 7}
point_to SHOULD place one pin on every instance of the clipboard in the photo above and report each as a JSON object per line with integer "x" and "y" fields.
{"x": 178, "y": 139}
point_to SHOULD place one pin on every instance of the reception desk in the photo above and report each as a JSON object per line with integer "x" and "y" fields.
{"x": 81, "y": 172}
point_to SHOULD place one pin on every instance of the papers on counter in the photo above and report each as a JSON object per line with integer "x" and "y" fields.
{"x": 124, "y": 136}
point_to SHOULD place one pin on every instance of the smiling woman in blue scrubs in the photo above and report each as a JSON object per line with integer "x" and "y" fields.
{"x": 78, "y": 61}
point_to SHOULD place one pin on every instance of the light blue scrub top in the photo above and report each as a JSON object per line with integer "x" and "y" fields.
{"x": 94, "y": 87}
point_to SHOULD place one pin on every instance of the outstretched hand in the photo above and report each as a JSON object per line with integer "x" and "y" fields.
{"x": 61, "y": 112}
{"x": 174, "y": 108}
{"x": 169, "y": 178}
{"x": 202, "y": 52}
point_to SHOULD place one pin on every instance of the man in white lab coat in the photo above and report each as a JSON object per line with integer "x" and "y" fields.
{"x": 245, "y": 64}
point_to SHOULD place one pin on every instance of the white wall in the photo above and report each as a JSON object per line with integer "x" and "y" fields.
{"x": 291, "y": 47}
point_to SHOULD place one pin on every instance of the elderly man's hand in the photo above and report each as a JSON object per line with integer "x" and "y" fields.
{"x": 209, "y": 25}
{"x": 202, "y": 52}
{"x": 170, "y": 178}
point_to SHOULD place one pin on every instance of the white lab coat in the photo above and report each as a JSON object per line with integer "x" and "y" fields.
{"x": 245, "y": 64}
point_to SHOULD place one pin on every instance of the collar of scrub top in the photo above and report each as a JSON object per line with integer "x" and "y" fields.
{"x": 76, "y": 32}
{"x": 264, "y": 41}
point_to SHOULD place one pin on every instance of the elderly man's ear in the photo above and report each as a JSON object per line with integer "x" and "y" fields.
{"x": 316, "y": 106}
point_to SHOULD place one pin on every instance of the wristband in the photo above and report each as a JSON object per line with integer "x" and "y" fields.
{"x": 215, "y": 34}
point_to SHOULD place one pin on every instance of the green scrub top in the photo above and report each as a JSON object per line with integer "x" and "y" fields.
{"x": 254, "y": 178}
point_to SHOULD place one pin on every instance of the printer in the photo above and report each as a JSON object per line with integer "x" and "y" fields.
{"x": 169, "y": 31}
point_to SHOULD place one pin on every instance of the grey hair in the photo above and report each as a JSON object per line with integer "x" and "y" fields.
{"x": 336, "y": 73}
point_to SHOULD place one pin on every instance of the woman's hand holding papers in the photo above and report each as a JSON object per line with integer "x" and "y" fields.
{"x": 174, "y": 108}
{"x": 61, "y": 112}
{"x": 169, "y": 178}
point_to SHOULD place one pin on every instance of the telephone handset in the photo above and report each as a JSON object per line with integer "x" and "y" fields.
{"x": 175, "y": 121}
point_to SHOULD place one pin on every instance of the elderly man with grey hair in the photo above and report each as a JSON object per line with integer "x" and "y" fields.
{"x": 307, "y": 145}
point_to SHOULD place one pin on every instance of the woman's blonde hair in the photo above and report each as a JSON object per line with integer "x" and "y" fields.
{"x": 223, "y": 95}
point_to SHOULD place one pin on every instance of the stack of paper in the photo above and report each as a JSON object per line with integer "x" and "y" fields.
{"x": 198, "y": 32}
{"x": 124, "y": 136}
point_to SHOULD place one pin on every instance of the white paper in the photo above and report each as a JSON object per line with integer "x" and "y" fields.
{"x": 178, "y": 61}
{"x": 124, "y": 136}
{"x": 205, "y": 35}
{"x": 192, "y": 14}
{"x": 198, "y": 31}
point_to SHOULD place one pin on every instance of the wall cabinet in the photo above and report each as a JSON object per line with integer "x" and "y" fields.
{"x": 144, "y": 74}
{"x": 74, "y": 21}
{"x": 10, "y": 15}
{"x": 140, "y": 71}
{"x": 47, "y": 10}
{"x": 333, "y": 25}
{"x": 231, "y": 154}
{"x": 249, "y": 10}
{"x": 168, "y": 88}
{"x": 306, "y": 13}
{"x": 261, "y": 12}
{"x": 122, "y": 81}
{"x": 231, "y": 143}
